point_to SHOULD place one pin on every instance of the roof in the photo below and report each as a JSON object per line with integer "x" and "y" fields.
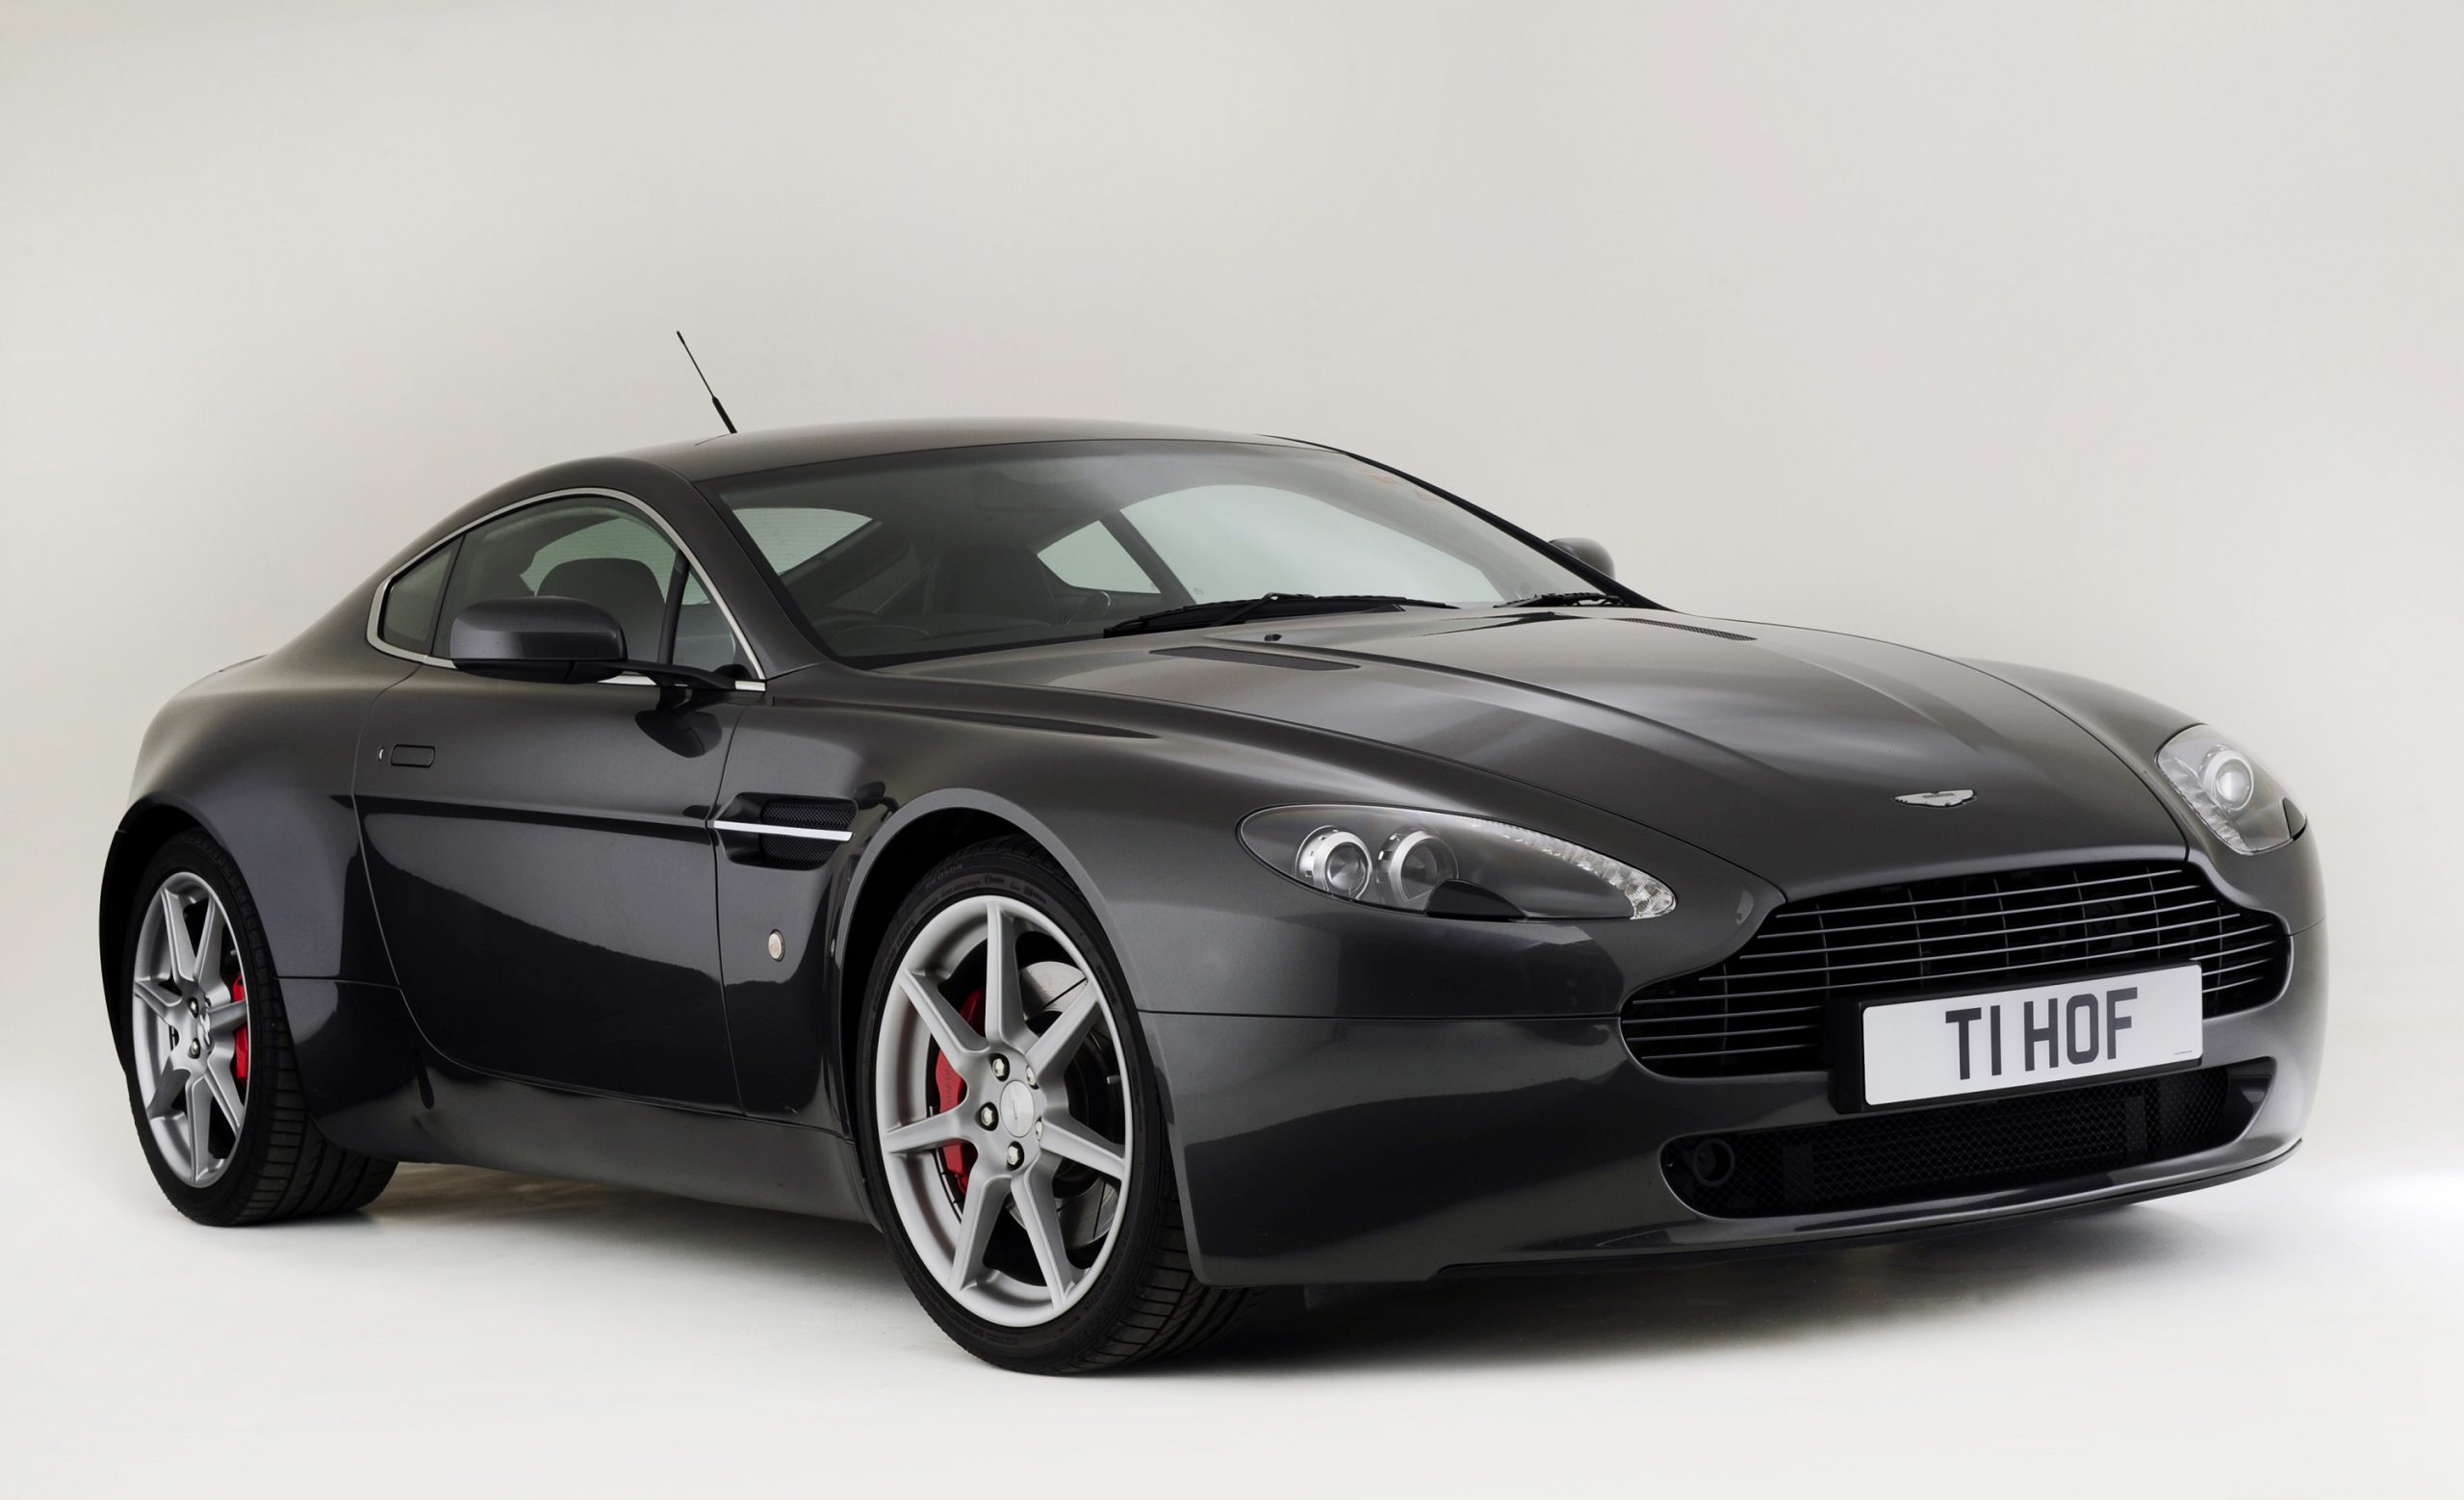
{"x": 785, "y": 447}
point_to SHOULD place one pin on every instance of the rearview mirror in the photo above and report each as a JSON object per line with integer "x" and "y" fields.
{"x": 539, "y": 640}
{"x": 1590, "y": 553}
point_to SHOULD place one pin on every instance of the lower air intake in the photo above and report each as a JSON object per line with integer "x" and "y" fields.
{"x": 1910, "y": 1156}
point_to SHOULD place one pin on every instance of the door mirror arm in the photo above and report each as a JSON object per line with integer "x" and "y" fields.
{"x": 678, "y": 687}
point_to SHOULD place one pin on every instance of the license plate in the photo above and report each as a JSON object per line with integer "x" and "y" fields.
{"x": 2013, "y": 1039}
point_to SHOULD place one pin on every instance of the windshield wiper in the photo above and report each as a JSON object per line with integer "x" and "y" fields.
{"x": 1264, "y": 607}
{"x": 1579, "y": 596}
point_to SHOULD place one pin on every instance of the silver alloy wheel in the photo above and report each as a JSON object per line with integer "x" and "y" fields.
{"x": 187, "y": 1029}
{"x": 1006, "y": 1140}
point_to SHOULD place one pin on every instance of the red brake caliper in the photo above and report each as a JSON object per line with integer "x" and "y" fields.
{"x": 239, "y": 1042}
{"x": 949, "y": 1091}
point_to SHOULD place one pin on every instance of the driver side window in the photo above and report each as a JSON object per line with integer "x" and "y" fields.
{"x": 603, "y": 553}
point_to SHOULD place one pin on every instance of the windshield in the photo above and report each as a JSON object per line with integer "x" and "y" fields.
{"x": 959, "y": 550}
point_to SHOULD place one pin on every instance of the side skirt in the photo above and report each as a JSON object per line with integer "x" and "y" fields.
{"x": 374, "y": 1085}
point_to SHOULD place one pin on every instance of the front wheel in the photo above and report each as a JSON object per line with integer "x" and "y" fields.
{"x": 1013, "y": 1130}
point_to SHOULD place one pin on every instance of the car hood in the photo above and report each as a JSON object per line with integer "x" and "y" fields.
{"x": 1781, "y": 750}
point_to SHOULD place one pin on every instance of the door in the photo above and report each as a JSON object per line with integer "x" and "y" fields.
{"x": 540, "y": 853}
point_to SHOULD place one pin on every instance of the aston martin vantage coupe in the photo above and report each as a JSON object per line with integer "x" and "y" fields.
{"x": 1134, "y": 867}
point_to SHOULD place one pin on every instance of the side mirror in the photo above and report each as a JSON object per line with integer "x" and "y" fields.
{"x": 1590, "y": 553}
{"x": 540, "y": 639}
{"x": 546, "y": 638}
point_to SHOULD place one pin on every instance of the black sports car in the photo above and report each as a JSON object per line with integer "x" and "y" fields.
{"x": 1133, "y": 866}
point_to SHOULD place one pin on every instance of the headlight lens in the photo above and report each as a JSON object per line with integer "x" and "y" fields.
{"x": 2239, "y": 803}
{"x": 1450, "y": 865}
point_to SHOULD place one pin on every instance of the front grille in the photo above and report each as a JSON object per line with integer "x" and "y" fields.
{"x": 1764, "y": 1008}
{"x": 1875, "y": 1161}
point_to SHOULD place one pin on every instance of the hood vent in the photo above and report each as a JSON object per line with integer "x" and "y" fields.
{"x": 1255, "y": 659}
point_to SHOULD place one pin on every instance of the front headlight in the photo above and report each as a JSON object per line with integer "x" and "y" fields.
{"x": 1448, "y": 865}
{"x": 2239, "y": 803}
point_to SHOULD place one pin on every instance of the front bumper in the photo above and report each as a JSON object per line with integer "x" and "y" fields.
{"x": 1328, "y": 1150}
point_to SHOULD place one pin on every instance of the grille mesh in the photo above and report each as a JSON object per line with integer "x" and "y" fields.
{"x": 1874, "y": 1161}
{"x": 1763, "y": 1008}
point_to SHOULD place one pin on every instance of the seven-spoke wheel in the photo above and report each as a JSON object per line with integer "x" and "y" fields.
{"x": 1016, "y": 1157}
{"x": 206, "y": 1044}
{"x": 187, "y": 1029}
{"x": 999, "y": 1098}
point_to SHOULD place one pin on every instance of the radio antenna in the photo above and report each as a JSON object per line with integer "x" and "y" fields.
{"x": 715, "y": 404}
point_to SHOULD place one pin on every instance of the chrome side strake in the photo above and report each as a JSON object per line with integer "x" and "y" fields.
{"x": 724, "y": 825}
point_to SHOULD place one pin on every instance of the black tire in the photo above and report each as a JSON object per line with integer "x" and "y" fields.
{"x": 1145, "y": 1303}
{"x": 281, "y": 1166}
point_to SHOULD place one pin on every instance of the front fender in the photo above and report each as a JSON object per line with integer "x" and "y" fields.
{"x": 2286, "y": 880}
{"x": 1149, "y": 829}
{"x": 1145, "y": 817}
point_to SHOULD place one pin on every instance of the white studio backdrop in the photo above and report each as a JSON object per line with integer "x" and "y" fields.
{"x": 2125, "y": 339}
{"x": 2113, "y": 338}
{"x": 2122, "y": 339}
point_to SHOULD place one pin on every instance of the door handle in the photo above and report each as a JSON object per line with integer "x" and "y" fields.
{"x": 409, "y": 758}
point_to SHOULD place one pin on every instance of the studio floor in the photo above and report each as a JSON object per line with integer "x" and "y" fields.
{"x": 2296, "y": 1334}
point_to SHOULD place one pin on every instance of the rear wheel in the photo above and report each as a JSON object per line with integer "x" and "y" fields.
{"x": 1013, "y": 1132}
{"x": 206, "y": 1047}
